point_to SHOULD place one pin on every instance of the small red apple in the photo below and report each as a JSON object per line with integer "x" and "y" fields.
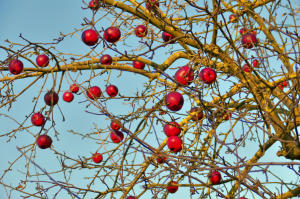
{"x": 198, "y": 114}
{"x": 106, "y": 59}
{"x": 115, "y": 125}
{"x": 172, "y": 129}
{"x": 97, "y": 158}
{"x": 243, "y": 31}
{"x": 112, "y": 90}
{"x": 255, "y": 63}
{"x": 171, "y": 187}
{"x": 42, "y": 60}
{"x": 130, "y": 197}
{"x": 141, "y": 31}
{"x": 90, "y": 37}
{"x": 243, "y": 198}
{"x": 246, "y": 68}
{"x": 249, "y": 40}
{"x": 215, "y": 177}
{"x": 185, "y": 75}
{"x": 174, "y": 144}
{"x": 167, "y": 37}
{"x": 74, "y": 88}
{"x": 208, "y": 75}
{"x": 51, "y": 98}
{"x": 94, "y": 92}
{"x": 37, "y": 119}
{"x": 116, "y": 136}
{"x": 233, "y": 18}
{"x": 161, "y": 159}
{"x": 68, "y": 97}
{"x": 227, "y": 116}
{"x": 174, "y": 101}
{"x": 150, "y": 4}
{"x": 284, "y": 83}
{"x": 112, "y": 34}
{"x": 138, "y": 65}
{"x": 254, "y": 33}
{"x": 44, "y": 141}
{"x": 94, "y": 4}
{"x": 15, "y": 66}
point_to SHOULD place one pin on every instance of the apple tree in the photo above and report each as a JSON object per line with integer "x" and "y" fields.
{"x": 213, "y": 106}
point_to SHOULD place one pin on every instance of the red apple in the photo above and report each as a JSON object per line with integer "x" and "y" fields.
{"x": 243, "y": 31}
{"x": 130, "y": 197}
{"x": 255, "y": 63}
{"x": 116, "y": 136}
{"x": 141, "y": 31}
{"x": 246, "y": 68}
{"x": 284, "y": 83}
{"x": 51, "y": 98}
{"x": 167, "y": 37}
{"x": 112, "y": 34}
{"x": 208, "y": 75}
{"x": 254, "y": 32}
{"x": 44, "y": 141}
{"x": 97, "y": 158}
{"x": 198, "y": 114}
{"x": 15, "y": 66}
{"x": 172, "y": 129}
{"x": 74, "y": 88}
{"x": 227, "y": 116}
{"x": 94, "y": 4}
{"x": 37, "y": 119}
{"x": 42, "y": 60}
{"x": 115, "y": 125}
{"x": 185, "y": 75}
{"x": 106, "y": 59}
{"x": 171, "y": 188}
{"x": 112, "y": 90}
{"x": 138, "y": 64}
{"x": 90, "y": 37}
{"x": 152, "y": 4}
{"x": 94, "y": 92}
{"x": 215, "y": 177}
{"x": 233, "y": 18}
{"x": 161, "y": 159}
{"x": 243, "y": 198}
{"x": 68, "y": 97}
{"x": 249, "y": 40}
{"x": 174, "y": 144}
{"x": 174, "y": 101}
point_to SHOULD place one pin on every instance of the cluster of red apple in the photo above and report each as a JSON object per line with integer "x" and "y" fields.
{"x": 282, "y": 85}
{"x": 215, "y": 178}
{"x": 249, "y": 39}
{"x": 174, "y": 100}
{"x": 246, "y": 67}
